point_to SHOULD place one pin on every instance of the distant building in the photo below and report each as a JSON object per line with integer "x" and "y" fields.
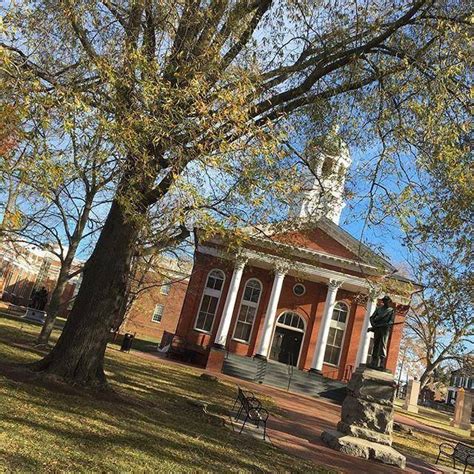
{"x": 159, "y": 300}
{"x": 24, "y": 268}
{"x": 461, "y": 378}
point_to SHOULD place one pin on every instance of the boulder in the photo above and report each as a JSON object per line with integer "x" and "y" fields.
{"x": 362, "y": 448}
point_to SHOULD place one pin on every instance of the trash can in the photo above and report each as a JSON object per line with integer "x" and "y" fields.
{"x": 127, "y": 342}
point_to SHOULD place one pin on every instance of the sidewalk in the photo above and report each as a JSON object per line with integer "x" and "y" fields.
{"x": 299, "y": 428}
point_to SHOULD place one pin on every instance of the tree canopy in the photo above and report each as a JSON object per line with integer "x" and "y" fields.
{"x": 198, "y": 98}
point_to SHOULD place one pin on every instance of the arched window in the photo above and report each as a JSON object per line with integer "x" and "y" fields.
{"x": 210, "y": 301}
{"x": 336, "y": 334}
{"x": 291, "y": 320}
{"x": 247, "y": 311}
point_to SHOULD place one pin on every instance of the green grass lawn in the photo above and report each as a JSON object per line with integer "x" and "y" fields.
{"x": 424, "y": 445}
{"x": 158, "y": 430}
{"x": 142, "y": 343}
{"x": 435, "y": 418}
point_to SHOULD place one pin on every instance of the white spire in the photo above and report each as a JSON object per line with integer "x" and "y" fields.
{"x": 323, "y": 189}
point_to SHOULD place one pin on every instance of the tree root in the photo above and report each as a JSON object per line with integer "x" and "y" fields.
{"x": 32, "y": 374}
{"x": 37, "y": 374}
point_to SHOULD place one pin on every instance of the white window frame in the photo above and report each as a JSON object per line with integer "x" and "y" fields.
{"x": 293, "y": 328}
{"x": 165, "y": 287}
{"x": 251, "y": 304}
{"x": 304, "y": 289}
{"x": 210, "y": 292}
{"x": 337, "y": 325}
{"x": 154, "y": 312}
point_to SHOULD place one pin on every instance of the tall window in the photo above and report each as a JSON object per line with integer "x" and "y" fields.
{"x": 165, "y": 286}
{"x": 210, "y": 301}
{"x": 248, "y": 310}
{"x": 157, "y": 313}
{"x": 336, "y": 334}
{"x": 370, "y": 350}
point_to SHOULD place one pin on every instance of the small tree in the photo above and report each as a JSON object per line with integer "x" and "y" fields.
{"x": 440, "y": 322}
{"x": 69, "y": 210}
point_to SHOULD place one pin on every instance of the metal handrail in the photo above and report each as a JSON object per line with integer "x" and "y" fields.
{"x": 290, "y": 369}
{"x": 261, "y": 370}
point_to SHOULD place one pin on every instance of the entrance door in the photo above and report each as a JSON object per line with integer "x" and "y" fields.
{"x": 286, "y": 345}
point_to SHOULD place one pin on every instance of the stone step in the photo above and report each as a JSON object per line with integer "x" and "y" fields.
{"x": 241, "y": 361}
{"x": 276, "y": 375}
{"x": 240, "y": 375}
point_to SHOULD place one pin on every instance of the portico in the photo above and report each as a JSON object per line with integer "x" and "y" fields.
{"x": 293, "y": 304}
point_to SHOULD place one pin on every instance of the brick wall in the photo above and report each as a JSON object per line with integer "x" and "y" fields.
{"x": 309, "y": 306}
{"x": 316, "y": 239}
{"x": 139, "y": 319}
{"x": 395, "y": 338}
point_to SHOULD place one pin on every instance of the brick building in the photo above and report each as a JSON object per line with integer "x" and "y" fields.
{"x": 24, "y": 268}
{"x": 156, "y": 309}
{"x": 159, "y": 300}
{"x": 302, "y": 298}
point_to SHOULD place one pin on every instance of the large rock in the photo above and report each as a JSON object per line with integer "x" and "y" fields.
{"x": 372, "y": 386}
{"x": 366, "y": 425}
{"x": 362, "y": 448}
{"x": 368, "y": 420}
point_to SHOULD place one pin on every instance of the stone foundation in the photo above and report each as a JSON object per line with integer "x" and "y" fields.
{"x": 366, "y": 425}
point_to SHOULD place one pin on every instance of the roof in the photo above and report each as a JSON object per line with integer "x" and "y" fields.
{"x": 365, "y": 256}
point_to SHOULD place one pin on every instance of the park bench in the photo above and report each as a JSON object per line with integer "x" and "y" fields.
{"x": 178, "y": 347}
{"x": 250, "y": 407}
{"x": 458, "y": 452}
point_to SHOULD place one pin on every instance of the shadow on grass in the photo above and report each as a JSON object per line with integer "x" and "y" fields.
{"x": 160, "y": 430}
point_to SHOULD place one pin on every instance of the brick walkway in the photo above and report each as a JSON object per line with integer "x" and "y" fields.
{"x": 299, "y": 428}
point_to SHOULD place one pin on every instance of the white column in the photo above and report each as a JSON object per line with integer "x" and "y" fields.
{"x": 318, "y": 358}
{"x": 264, "y": 346}
{"x": 364, "y": 335}
{"x": 224, "y": 325}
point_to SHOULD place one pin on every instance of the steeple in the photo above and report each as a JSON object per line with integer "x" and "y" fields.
{"x": 324, "y": 179}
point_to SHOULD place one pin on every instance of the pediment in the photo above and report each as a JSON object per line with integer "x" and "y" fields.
{"x": 327, "y": 238}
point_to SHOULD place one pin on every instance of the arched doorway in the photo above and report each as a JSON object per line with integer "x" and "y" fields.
{"x": 288, "y": 338}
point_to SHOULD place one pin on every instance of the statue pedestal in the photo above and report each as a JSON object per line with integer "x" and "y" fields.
{"x": 35, "y": 315}
{"x": 463, "y": 410}
{"x": 365, "y": 429}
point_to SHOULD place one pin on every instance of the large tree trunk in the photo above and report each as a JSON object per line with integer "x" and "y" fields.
{"x": 63, "y": 277}
{"x": 79, "y": 353}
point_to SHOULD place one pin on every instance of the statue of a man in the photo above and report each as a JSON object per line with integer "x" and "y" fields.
{"x": 382, "y": 321}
